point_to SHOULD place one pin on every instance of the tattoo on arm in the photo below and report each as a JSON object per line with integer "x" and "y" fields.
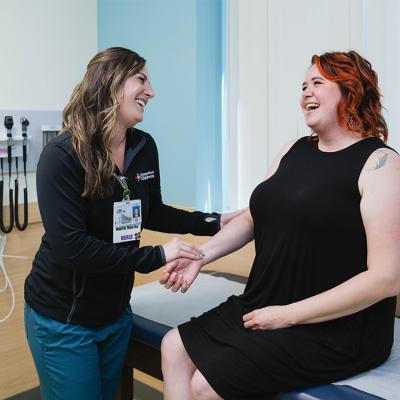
{"x": 380, "y": 163}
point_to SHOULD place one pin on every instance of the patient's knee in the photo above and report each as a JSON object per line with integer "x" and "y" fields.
{"x": 172, "y": 346}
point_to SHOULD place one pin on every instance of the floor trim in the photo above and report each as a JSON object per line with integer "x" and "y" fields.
{"x": 143, "y": 392}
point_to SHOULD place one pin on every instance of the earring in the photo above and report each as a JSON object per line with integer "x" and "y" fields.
{"x": 350, "y": 122}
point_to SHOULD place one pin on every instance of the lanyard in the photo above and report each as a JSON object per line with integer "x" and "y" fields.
{"x": 122, "y": 182}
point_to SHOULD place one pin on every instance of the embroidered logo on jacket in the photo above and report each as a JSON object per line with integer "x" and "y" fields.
{"x": 143, "y": 176}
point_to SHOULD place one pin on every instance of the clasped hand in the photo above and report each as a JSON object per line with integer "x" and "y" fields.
{"x": 271, "y": 317}
{"x": 184, "y": 260}
{"x": 180, "y": 273}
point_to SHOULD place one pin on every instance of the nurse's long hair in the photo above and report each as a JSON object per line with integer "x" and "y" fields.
{"x": 361, "y": 109}
{"x": 92, "y": 111}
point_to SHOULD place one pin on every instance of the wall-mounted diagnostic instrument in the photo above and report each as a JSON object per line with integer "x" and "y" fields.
{"x": 21, "y": 227}
{"x": 13, "y": 146}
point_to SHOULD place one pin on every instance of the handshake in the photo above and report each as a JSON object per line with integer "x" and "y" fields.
{"x": 184, "y": 260}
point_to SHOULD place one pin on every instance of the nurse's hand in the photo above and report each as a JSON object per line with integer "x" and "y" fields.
{"x": 180, "y": 274}
{"x": 177, "y": 248}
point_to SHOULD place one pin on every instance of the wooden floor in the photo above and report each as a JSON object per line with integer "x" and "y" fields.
{"x": 17, "y": 372}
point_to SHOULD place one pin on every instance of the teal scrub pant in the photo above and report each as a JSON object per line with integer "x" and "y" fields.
{"x": 76, "y": 362}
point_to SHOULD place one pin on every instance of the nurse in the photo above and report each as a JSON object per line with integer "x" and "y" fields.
{"x": 90, "y": 179}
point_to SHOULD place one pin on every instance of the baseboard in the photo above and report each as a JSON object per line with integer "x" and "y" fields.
{"x": 32, "y": 394}
{"x": 145, "y": 392}
{"x": 142, "y": 392}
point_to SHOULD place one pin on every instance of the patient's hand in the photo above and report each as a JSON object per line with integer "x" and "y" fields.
{"x": 180, "y": 274}
{"x": 268, "y": 318}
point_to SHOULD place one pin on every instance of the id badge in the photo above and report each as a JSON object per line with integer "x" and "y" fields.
{"x": 127, "y": 221}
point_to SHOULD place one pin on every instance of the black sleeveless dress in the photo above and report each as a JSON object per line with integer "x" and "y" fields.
{"x": 309, "y": 237}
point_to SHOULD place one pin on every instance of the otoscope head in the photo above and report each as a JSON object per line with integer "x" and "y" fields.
{"x": 24, "y": 121}
{"x": 8, "y": 122}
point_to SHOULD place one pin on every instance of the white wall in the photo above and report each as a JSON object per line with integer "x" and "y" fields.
{"x": 44, "y": 48}
{"x": 270, "y": 44}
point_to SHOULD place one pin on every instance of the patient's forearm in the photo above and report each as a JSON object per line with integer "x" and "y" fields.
{"x": 230, "y": 238}
{"x": 351, "y": 296}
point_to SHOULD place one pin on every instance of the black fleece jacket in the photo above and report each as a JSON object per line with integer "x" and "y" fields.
{"x": 78, "y": 275}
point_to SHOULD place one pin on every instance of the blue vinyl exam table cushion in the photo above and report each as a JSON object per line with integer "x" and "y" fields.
{"x": 156, "y": 310}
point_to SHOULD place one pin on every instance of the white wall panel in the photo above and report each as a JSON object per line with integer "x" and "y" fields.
{"x": 297, "y": 30}
{"x": 382, "y": 49}
{"x": 45, "y": 46}
{"x": 252, "y": 110}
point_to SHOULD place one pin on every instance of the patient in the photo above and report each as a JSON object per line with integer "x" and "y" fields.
{"x": 320, "y": 300}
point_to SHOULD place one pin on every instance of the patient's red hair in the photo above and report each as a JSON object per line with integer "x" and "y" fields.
{"x": 361, "y": 108}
